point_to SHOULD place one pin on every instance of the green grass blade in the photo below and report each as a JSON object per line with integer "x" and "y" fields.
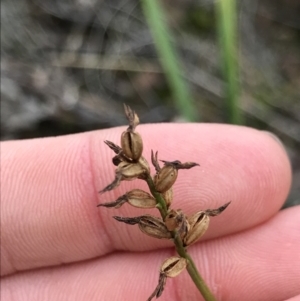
{"x": 169, "y": 60}
{"x": 227, "y": 31}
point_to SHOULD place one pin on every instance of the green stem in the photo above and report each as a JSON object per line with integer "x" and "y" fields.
{"x": 191, "y": 267}
{"x": 198, "y": 280}
{"x": 162, "y": 207}
{"x": 226, "y": 11}
{"x": 170, "y": 62}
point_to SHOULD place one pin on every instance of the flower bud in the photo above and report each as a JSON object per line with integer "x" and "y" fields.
{"x": 132, "y": 144}
{"x": 165, "y": 178}
{"x": 140, "y": 199}
{"x": 144, "y": 163}
{"x": 168, "y": 196}
{"x": 148, "y": 224}
{"x": 176, "y": 220}
{"x": 199, "y": 223}
{"x": 136, "y": 198}
{"x": 126, "y": 171}
{"x": 130, "y": 171}
{"x": 173, "y": 266}
{"x": 154, "y": 226}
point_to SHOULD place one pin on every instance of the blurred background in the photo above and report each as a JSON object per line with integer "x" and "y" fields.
{"x": 68, "y": 66}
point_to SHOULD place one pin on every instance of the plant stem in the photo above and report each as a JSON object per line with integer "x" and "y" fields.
{"x": 198, "y": 280}
{"x": 191, "y": 267}
{"x": 226, "y": 11}
{"x": 159, "y": 198}
{"x": 170, "y": 62}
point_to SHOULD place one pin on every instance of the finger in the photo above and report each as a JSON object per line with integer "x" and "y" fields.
{"x": 50, "y": 189}
{"x": 296, "y": 298}
{"x": 259, "y": 264}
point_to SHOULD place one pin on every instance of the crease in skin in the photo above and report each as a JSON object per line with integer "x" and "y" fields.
{"x": 6, "y": 259}
{"x": 95, "y": 191}
{"x": 88, "y": 199}
{"x": 102, "y": 215}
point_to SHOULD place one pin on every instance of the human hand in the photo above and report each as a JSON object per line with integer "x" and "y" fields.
{"x": 57, "y": 245}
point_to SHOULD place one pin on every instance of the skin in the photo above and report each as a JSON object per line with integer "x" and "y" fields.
{"x": 57, "y": 245}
